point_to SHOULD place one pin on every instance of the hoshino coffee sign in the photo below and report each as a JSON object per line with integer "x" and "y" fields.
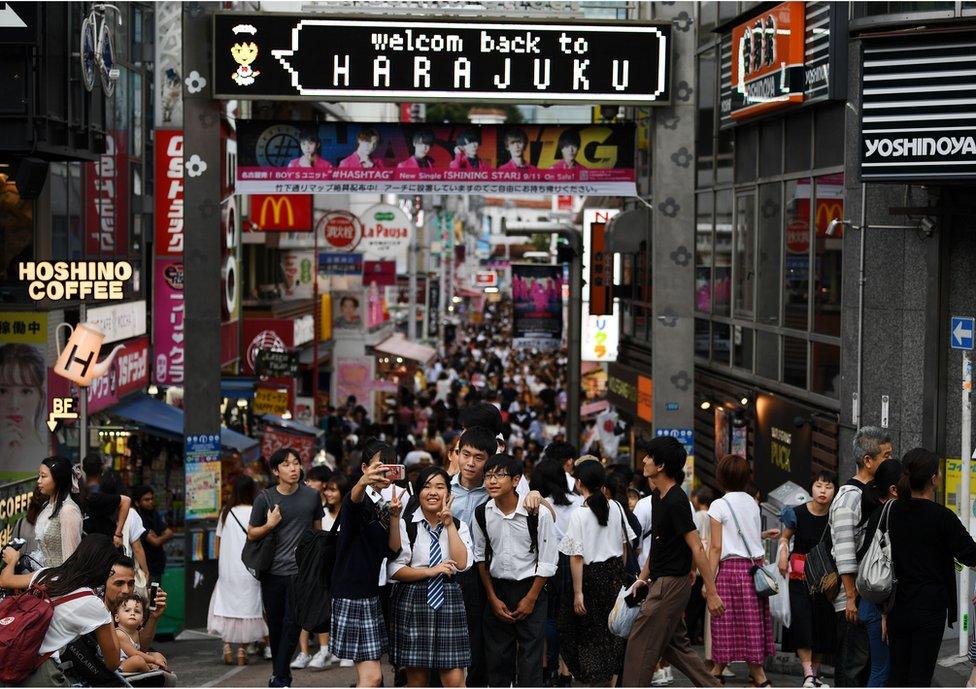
{"x": 304, "y": 57}
{"x": 915, "y": 125}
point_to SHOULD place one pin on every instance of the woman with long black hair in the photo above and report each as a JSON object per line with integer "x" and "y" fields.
{"x": 58, "y": 528}
{"x": 925, "y": 539}
{"x": 235, "y": 608}
{"x": 81, "y": 612}
{"x": 549, "y": 478}
{"x": 596, "y": 542}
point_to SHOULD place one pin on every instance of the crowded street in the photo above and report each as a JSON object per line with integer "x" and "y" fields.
{"x": 487, "y": 343}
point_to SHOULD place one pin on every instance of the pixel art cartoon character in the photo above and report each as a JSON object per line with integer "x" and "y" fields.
{"x": 244, "y": 54}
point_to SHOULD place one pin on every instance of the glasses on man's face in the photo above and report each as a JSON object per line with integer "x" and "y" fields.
{"x": 495, "y": 477}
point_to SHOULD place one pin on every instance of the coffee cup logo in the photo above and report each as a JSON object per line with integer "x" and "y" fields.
{"x": 78, "y": 360}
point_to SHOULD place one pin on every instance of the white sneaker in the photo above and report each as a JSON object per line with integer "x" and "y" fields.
{"x": 669, "y": 674}
{"x": 301, "y": 661}
{"x": 660, "y": 678}
{"x": 267, "y": 653}
{"x": 323, "y": 659}
{"x": 346, "y": 663}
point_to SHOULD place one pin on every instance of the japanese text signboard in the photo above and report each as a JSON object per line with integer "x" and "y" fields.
{"x": 169, "y": 192}
{"x": 277, "y": 55}
{"x": 168, "y": 325}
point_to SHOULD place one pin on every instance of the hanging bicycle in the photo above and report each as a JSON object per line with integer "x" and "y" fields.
{"x": 97, "y": 51}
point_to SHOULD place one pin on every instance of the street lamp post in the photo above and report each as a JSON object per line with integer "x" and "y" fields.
{"x": 574, "y": 336}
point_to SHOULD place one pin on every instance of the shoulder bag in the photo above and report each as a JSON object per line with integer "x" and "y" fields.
{"x": 258, "y": 555}
{"x": 876, "y": 573}
{"x": 764, "y": 578}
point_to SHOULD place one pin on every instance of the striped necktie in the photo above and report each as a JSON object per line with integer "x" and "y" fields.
{"x": 435, "y": 586}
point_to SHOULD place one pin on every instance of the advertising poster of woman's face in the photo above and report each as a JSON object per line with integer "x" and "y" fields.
{"x": 348, "y": 314}
{"x": 23, "y": 402}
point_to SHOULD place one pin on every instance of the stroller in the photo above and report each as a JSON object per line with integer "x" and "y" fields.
{"x": 82, "y": 666}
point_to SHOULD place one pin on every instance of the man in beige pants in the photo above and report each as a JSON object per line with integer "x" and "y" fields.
{"x": 660, "y": 631}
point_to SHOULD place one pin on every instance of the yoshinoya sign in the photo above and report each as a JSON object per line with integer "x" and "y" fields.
{"x": 914, "y": 125}
{"x": 792, "y": 54}
{"x": 275, "y": 56}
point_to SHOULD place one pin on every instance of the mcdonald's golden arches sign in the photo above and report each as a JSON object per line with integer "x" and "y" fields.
{"x": 281, "y": 212}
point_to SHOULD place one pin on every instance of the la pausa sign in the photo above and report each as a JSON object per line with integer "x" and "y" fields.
{"x": 294, "y": 56}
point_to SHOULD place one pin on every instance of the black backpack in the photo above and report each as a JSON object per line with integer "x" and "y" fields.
{"x": 533, "y": 522}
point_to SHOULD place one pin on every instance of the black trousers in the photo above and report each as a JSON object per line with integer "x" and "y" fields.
{"x": 514, "y": 651}
{"x": 914, "y": 638}
{"x": 852, "y": 665}
{"x": 695, "y": 610}
{"x": 282, "y": 628}
{"x": 473, "y": 593}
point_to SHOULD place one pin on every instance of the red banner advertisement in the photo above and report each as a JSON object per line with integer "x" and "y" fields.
{"x": 129, "y": 372}
{"x": 281, "y": 213}
{"x": 383, "y": 273}
{"x": 332, "y": 158}
{"x": 169, "y": 192}
{"x": 107, "y": 199}
{"x": 168, "y": 325}
{"x": 274, "y": 439}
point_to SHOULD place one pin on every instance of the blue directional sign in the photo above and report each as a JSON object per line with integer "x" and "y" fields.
{"x": 961, "y": 332}
{"x": 685, "y": 436}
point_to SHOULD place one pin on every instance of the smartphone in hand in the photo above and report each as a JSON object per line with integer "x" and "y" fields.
{"x": 153, "y": 590}
{"x": 395, "y": 472}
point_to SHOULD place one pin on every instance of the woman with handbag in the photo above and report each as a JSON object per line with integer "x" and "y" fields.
{"x": 235, "y": 613}
{"x": 745, "y": 631}
{"x": 596, "y": 541}
{"x": 813, "y": 626}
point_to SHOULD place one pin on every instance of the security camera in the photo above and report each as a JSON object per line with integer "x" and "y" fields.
{"x": 928, "y": 225}
{"x": 833, "y": 225}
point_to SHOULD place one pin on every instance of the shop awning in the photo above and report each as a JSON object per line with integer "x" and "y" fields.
{"x": 237, "y": 388}
{"x": 290, "y": 425}
{"x": 627, "y": 230}
{"x": 398, "y": 345}
{"x": 162, "y": 418}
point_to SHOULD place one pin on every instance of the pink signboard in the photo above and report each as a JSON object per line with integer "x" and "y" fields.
{"x": 168, "y": 326}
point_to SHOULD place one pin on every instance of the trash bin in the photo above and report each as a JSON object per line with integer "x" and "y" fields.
{"x": 172, "y": 621}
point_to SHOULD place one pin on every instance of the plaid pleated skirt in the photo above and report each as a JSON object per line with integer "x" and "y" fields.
{"x": 745, "y": 631}
{"x": 428, "y": 638}
{"x": 358, "y": 632}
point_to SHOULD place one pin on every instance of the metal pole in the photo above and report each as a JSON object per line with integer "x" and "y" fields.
{"x": 574, "y": 340}
{"x": 965, "y": 511}
{"x": 412, "y": 270}
{"x": 442, "y": 296}
{"x": 316, "y": 324}
{"x": 82, "y": 403}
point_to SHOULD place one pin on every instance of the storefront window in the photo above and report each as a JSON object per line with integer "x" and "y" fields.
{"x": 795, "y": 362}
{"x": 829, "y": 132}
{"x": 703, "y": 253}
{"x": 721, "y": 343}
{"x": 66, "y": 221}
{"x": 136, "y": 142}
{"x": 825, "y": 370}
{"x": 767, "y": 258}
{"x": 705, "y": 117}
{"x": 707, "y": 21}
{"x": 722, "y": 272}
{"x": 702, "y": 337}
{"x": 767, "y": 354}
{"x": 796, "y": 258}
{"x": 771, "y": 148}
{"x": 745, "y": 153}
{"x": 828, "y": 255}
{"x": 745, "y": 255}
{"x": 742, "y": 347}
{"x": 799, "y": 132}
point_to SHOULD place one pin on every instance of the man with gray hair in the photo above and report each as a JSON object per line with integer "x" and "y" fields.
{"x": 871, "y": 447}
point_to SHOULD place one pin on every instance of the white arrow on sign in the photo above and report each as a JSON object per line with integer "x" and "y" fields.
{"x": 10, "y": 19}
{"x": 962, "y": 332}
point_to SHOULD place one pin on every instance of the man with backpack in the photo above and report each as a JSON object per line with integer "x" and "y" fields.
{"x": 871, "y": 447}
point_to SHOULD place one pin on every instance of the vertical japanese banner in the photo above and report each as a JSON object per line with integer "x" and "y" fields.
{"x": 169, "y": 193}
{"x": 24, "y": 438}
{"x": 107, "y": 199}
{"x": 202, "y": 466}
{"x": 537, "y": 305}
{"x": 168, "y": 327}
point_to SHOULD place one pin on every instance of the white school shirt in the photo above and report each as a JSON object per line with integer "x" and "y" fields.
{"x": 564, "y": 512}
{"x": 73, "y": 619}
{"x": 747, "y": 512}
{"x": 328, "y": 521}
{"x": 642, "y": 510}
{"x": 584, "y": 535}
{"x": 419, "y": 555}
{"x": 510, "y": 543}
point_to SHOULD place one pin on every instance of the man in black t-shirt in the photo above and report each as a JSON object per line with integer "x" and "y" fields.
{"x": 659, "y": 630}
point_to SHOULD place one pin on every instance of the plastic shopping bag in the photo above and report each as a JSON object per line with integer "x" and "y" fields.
{"x": 623, "y": 615}
{"x": 779, "y": 604}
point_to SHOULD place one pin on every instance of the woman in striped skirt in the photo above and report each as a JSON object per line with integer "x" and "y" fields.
{"x": 430, "y": 630}
{"x": 745, "y": 631}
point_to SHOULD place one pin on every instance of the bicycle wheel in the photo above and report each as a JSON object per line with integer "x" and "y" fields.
{"x": 107, "y": 70}
{"x": 86, "y": 53}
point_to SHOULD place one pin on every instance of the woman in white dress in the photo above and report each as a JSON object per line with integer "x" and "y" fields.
{"x": 57, "y": 531}
{"x": 235, "y": 607}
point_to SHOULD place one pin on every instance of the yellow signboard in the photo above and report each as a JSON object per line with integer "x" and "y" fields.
{"x": 268, "y": 401}
{"x": 325, "y": 317}
{"x": 23, "y": 327}
{"x": 953, "y": 473}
